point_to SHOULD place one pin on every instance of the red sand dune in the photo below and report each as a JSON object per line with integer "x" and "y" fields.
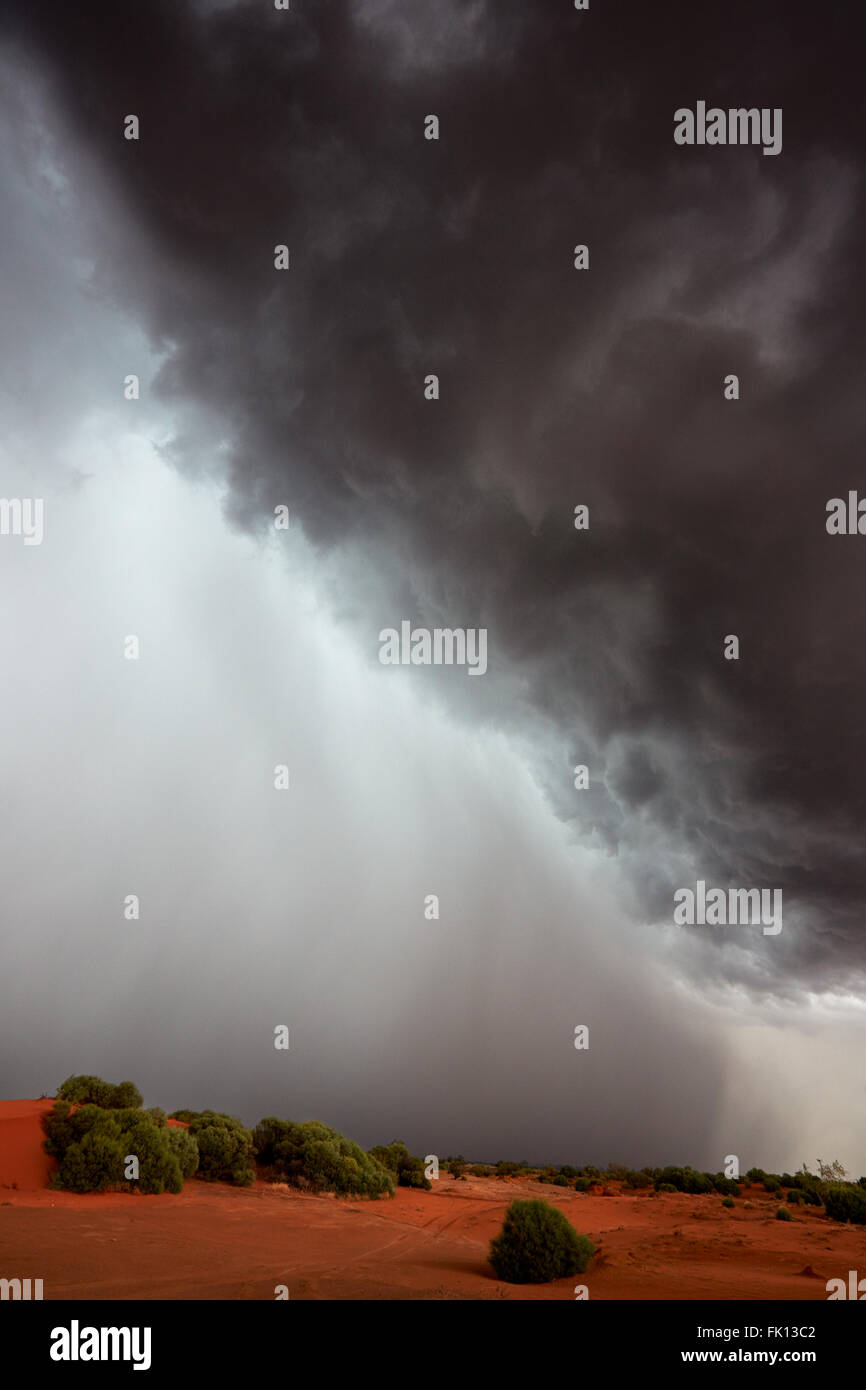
{"x": 219, "y": 1242}
{"x": 23, "y": 1161}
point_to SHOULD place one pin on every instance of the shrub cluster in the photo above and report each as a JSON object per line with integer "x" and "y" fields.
{"x": 558, "y": 1177}
{"x": 728, "y": 1187}
{"x": 506, "y": 1169}
{"x": 224, "y": 1148}
{"x": 408, "y": 1170}
{"x": 683, "y": 1180}
{"x": 312, "y": 1155}
{"x": 846, "y": 1203}
{"x": 536, "y": 1244}
{"x": 638, "y": 1179}
{"x": 92, "y": 1090}
{"x": 92, "y": 1147}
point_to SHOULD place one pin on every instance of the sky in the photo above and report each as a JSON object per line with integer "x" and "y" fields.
{"x": 305, "y": 388}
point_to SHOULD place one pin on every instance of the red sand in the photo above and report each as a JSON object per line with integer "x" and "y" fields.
{"x": 219, "y": 1242}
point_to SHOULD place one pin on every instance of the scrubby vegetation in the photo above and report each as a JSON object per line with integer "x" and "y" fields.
{"x": 93, "y": 1148}
{"x": 638, "y": 1180}
{"x": 846, "y": 1203}
{"x": 224, "y": 1148}
{"x": 408, "y": 1170}
{"x": 683, "y": 1180}
{"x": 536, "y": 1244}
{"x": 95, "y": 1129}
{"x": 92, "y": 1090}
{"x": 313, "y": 1156}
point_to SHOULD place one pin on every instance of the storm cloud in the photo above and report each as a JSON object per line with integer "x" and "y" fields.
{"x": 558, "y": 387}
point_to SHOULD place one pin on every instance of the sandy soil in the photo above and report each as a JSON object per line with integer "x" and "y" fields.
{"x": 219, "y": 1242}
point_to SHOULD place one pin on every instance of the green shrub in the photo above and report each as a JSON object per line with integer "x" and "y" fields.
{"x": 314, "y": 1155}
{"x": 125, "y": 1096}
{"x": 846, "y": 1204}
{"x": 726, "y": 1187}
{"x": 638, "y": 1180}
{"x": 537, "y": 1244}
{"x": 95, "y": 1162}
{"x": 787, "y": 1181}
{"x": 408, "y": 1170}
{"x": 506, "y": 1169}
{"x": 92, "y": 1090}
{"x": 666, "y": 1187}
{"x": 755, "y": 1175}
{"x": 158, "y": 1167}
{"x": 794, "y": 1197}
{"x": 92, "y": 1146}
{"x": 683, "y": 1180}
{"x": 224, "y": 1148}
{"x": 727, "y": 1201}
{"x": 582, "y": 1184}
{"x": 185, "y": 1150}
{"x": 783, "y": 1215}
{"x": 772, "y": 1184}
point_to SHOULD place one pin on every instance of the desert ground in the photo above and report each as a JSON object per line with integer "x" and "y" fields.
{"x": 214, "y": 1241}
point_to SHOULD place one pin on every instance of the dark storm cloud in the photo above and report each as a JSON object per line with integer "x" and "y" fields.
{"x": 558, "y": 387}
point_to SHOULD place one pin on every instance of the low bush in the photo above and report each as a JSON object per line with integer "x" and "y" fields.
{"x": 537, "y": 1244}
{"x": 846, "y": 1204}
{"x": 783, "y": 1215}
{"x": 408, "y": 1170}
{"x": 185, "y": 1150}
{"x": 727, "y": 1201}
{"x": 314, "y": 1155}
{"x": 684, "y": 1180}
{"x": 224, "y": 1148}
{"x": 726, "y": 1187}
{"x": 92, "y": 1090}
{"x": 93, "y": 1147}
{"x": 638, "y": 1180}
